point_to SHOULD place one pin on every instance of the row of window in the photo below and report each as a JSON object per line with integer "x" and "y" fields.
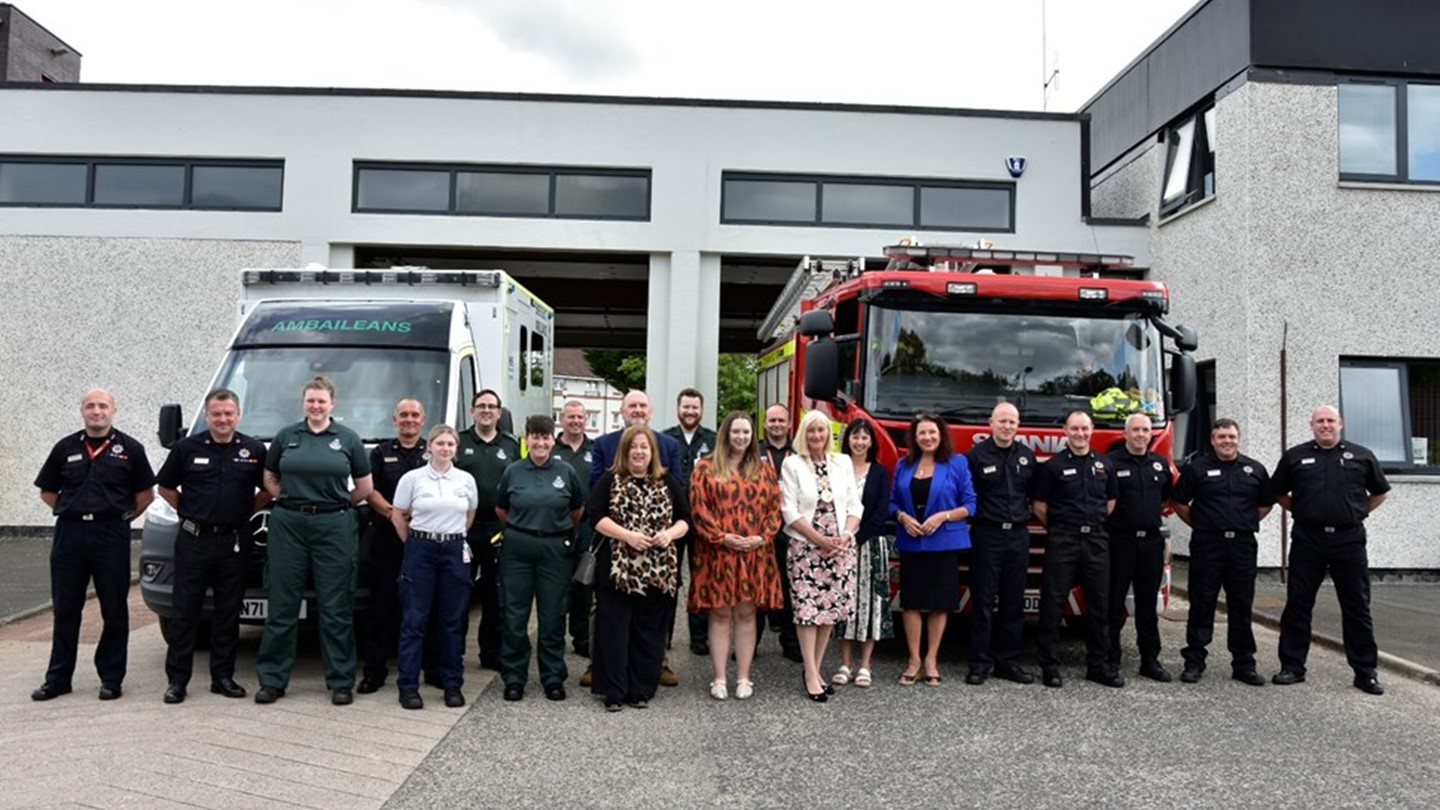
{"x": 1393, "y": 408}
{"x": 508, "y": 191}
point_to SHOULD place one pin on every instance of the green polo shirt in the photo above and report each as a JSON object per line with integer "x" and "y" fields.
{"x": 316, "y": 468}
{"x": 540, "y": 498}
{"x": 579, "y": 460}
{"x": 486, "y": 463}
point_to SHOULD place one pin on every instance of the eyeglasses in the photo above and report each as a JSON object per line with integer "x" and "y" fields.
{"x": 486, "y": 407}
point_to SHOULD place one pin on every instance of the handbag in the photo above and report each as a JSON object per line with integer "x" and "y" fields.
{"x": 585, "y": 567}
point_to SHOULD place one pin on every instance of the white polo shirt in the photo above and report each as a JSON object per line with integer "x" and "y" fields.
{"x": 437, "y": 501}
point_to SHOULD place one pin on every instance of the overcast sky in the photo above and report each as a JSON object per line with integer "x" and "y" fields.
{"x": 982, "y": 54}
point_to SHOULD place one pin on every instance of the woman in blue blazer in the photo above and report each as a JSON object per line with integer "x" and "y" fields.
{"x": 932, "y": 500}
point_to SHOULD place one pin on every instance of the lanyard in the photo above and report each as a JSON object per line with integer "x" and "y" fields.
{"x": 97, "y": 451}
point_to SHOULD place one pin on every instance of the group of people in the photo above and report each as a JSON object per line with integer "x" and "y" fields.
{"x": 773, "y": 526}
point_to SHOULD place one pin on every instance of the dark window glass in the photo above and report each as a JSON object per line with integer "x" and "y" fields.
{"x": 43, "y": 183}
{"x": 235, "y": 187}
{"x": 502, "y": 193}
{"x": 594, "y": 195}
{"x": 403, "y": 190}
{"x": 965, "y": 208}
{"x": 769, "y": 201}
{"x": 867, "y": 203}
{"x": 1367, "y": 129}
{"x": 145, "y": 186}
{"x": 1422, "y": 127}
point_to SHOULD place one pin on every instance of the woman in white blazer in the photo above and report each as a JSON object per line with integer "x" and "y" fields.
{"x": 820, "y": 505}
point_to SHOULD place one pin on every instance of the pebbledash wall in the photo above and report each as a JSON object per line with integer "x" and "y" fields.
{"x": 1283, "y": 254}
{"x": 143, "y": 301}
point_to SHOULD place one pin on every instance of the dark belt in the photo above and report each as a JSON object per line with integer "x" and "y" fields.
{"x": 1003, "y": 525}
{"x": 1115, "y": 531}
{"x": 1079, "y": 529}
{"x": 312, "y": 508}
{"x": 206, "y": 529}
{"x": 565, "y": 533}
{"x": 91, "y": 516}
{"x": 1228, "y": 534}
{"x": 434, "y": 537}
{"x": 1320, "y": 527}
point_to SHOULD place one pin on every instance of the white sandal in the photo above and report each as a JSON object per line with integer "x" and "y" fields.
{"x": 744, "y": 689}
{"x": 841, "y": 676}
{"x": 717, "y": 690}
{"x": 862, "y": 678}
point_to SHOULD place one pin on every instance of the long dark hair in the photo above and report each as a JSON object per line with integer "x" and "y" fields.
{"x": 943, "y": 451}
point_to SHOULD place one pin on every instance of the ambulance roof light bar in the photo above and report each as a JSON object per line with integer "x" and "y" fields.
{"x": 411, "y": 276}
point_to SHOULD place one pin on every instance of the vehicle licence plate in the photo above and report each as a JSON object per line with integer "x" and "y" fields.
{"x": 259, "y": 609}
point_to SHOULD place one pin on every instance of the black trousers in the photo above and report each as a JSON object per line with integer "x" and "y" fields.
{"x": 1314, "y": 551}
{"x": 629, "y": 643}
{"x": 487, "y": 562}
{"x": 1072, "y": 556}
{"x": 998, "y": 561}
{"x": 82, "y": 551}
{"x": 216, "y": 562}
{"x": 1218, "y": 561}
{"x": 1137, "y": 561}
{"x": 382, "y": 626}
{"x": 582, "y": 597}
{"x": 782, "y": 620}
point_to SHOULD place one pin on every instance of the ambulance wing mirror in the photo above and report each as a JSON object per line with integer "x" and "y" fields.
{"x": 172, "y": 425}
{"x": 817, "y": 323}
{"x": 1182, "y": 383}
{"x": 822, "y": 368}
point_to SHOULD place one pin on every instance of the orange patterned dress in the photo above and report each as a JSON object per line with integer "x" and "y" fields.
{"x": 724, "y": 577}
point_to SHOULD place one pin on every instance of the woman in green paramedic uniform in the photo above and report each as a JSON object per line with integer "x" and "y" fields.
{"x": 313, "y": 529}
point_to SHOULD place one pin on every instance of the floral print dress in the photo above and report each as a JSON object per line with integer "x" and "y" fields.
{"x": 822, "y": 589}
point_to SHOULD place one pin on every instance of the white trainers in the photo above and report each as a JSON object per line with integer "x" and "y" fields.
{"x": 744, "y": 689}
{"x": 717, "y": 690}
{"x": 841, "y": 676}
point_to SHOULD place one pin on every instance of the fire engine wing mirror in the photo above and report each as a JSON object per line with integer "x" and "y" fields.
{"x": 822, "y": 368}
{"x": 817, "y": 323}
{"x": 1186, "y": 340}
{"x": 172, "y": 427}
{"x": 1182, "y": 383}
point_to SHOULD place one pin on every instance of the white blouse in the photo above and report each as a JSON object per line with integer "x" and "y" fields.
{"x": 438, "y": 502}
{"x": 800, "y": 490}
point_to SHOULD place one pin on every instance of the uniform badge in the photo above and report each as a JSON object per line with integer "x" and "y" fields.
{"x": 1024, "y": 461}
{"x": 1122, "y": 473}
{"x": 588, "y": 457}
{"x": 1213, "y": 473}
{"x": 117, "y": 450}
{"x": 334, "y": 444}
{"x": 1307, "y": 461}
{"x": 704, "y": 448}
{"x": 244, "y": 452}
{"x": 500, "y": 454}
{"x": 559, "y": 482}
{"x": 1099, "y": 465}
{"x": 1348, "y": 455}
{"x": 469, "y": 451}
{"x": 392, "y": 459}
{"x": 1248, "y": 469}
{"x": 75, "y": 457}
{"x": 990, "y": 470}
{"x": 1161, "y": 467}
{"x": 1068, "y": 471}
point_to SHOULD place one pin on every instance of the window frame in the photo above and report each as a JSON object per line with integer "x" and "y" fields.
{"x": 916, "y": 186}
{"x": 1199, "y": 157}
{"x": 91, "y": 162}
{"x": 1402, "y": 132}
{"x": 453, "y": 170}
{"x": 1402, "y": 366}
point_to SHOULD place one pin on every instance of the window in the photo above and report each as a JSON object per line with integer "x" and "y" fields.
{"x": 466, "y": 389}
{"x": 592, "y": 420}
{"x": 1189, "y": 162}
{"x": 85, "y": 182}
{"x": 592, "y": 388}
{"x": 1389, "y": 131}
{"x": 502, "y": 191}
{"x": 851, "y": 202}
{"x": 524, "y": 352}
{"x": 1393, "y": 408}
{"x": 537, "y": 360}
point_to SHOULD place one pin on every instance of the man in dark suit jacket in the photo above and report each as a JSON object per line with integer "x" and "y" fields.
{"x": 695, "y": 442}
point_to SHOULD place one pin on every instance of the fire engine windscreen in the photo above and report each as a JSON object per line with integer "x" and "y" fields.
{"x": 960, "y": 364}
{"x": 368, "y": 382}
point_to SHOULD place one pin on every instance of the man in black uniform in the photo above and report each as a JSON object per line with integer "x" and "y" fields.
{"x": 215, "y": 482}
{"x": 695, "y": 442}
{"x": 95, "y": 481}
{"x": 1137, "y": 549}
{"x": 1222, "y": 496}
{"x": 1074, "y": 493}
{"x": 485, "y": 451}
{"x": 773, "y": 451}
{"x": 1002, "y": 471}
{"x": 1330, "y": 486}
{"x": 388, "y": 462}
{"x": 573, "y": 447}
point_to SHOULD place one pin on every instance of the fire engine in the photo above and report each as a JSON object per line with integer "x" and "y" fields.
{"x": 953, "y": 330}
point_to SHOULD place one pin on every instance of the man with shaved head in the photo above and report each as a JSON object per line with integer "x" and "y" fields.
{"x": 95, "y": 481}
{"x": 1002, "y": 471}
{"x": 1330, "y": 486}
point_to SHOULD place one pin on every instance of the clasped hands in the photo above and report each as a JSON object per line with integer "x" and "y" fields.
{"x": 643, "y": 542}
{"x": 735, "y": 542}
{"x": 915, "y": 528}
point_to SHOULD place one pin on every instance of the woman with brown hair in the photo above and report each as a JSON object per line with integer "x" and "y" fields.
{"x": 642, "y": 513}
{"x": 736, "y": 503}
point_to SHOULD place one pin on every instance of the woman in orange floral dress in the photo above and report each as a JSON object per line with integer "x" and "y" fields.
{"x": 735, "y": 500}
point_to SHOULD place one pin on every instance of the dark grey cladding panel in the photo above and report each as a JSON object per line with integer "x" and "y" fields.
{"x": 1393, "y": 37}
{"x": 1196, "y": 56}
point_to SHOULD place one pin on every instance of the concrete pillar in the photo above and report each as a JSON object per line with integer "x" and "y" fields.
{"x": 682, "y": 342}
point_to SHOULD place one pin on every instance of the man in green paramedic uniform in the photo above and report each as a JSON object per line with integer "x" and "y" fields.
{"x": 313, "y": 528}
{"x": 485, "y": 452}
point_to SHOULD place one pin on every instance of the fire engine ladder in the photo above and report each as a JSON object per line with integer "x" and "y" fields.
{"x": 810, "y": 277}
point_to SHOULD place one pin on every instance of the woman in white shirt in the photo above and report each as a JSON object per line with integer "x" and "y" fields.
{"x": 434, "y": 507}
{"x": 820, "y": 505}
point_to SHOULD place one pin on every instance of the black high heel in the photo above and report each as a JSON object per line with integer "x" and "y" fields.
{"x": 818, "y": 698}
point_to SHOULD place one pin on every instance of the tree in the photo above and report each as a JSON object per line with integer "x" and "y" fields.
{"x": 737, "y": 382}
{"x": 622, "y": 369}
